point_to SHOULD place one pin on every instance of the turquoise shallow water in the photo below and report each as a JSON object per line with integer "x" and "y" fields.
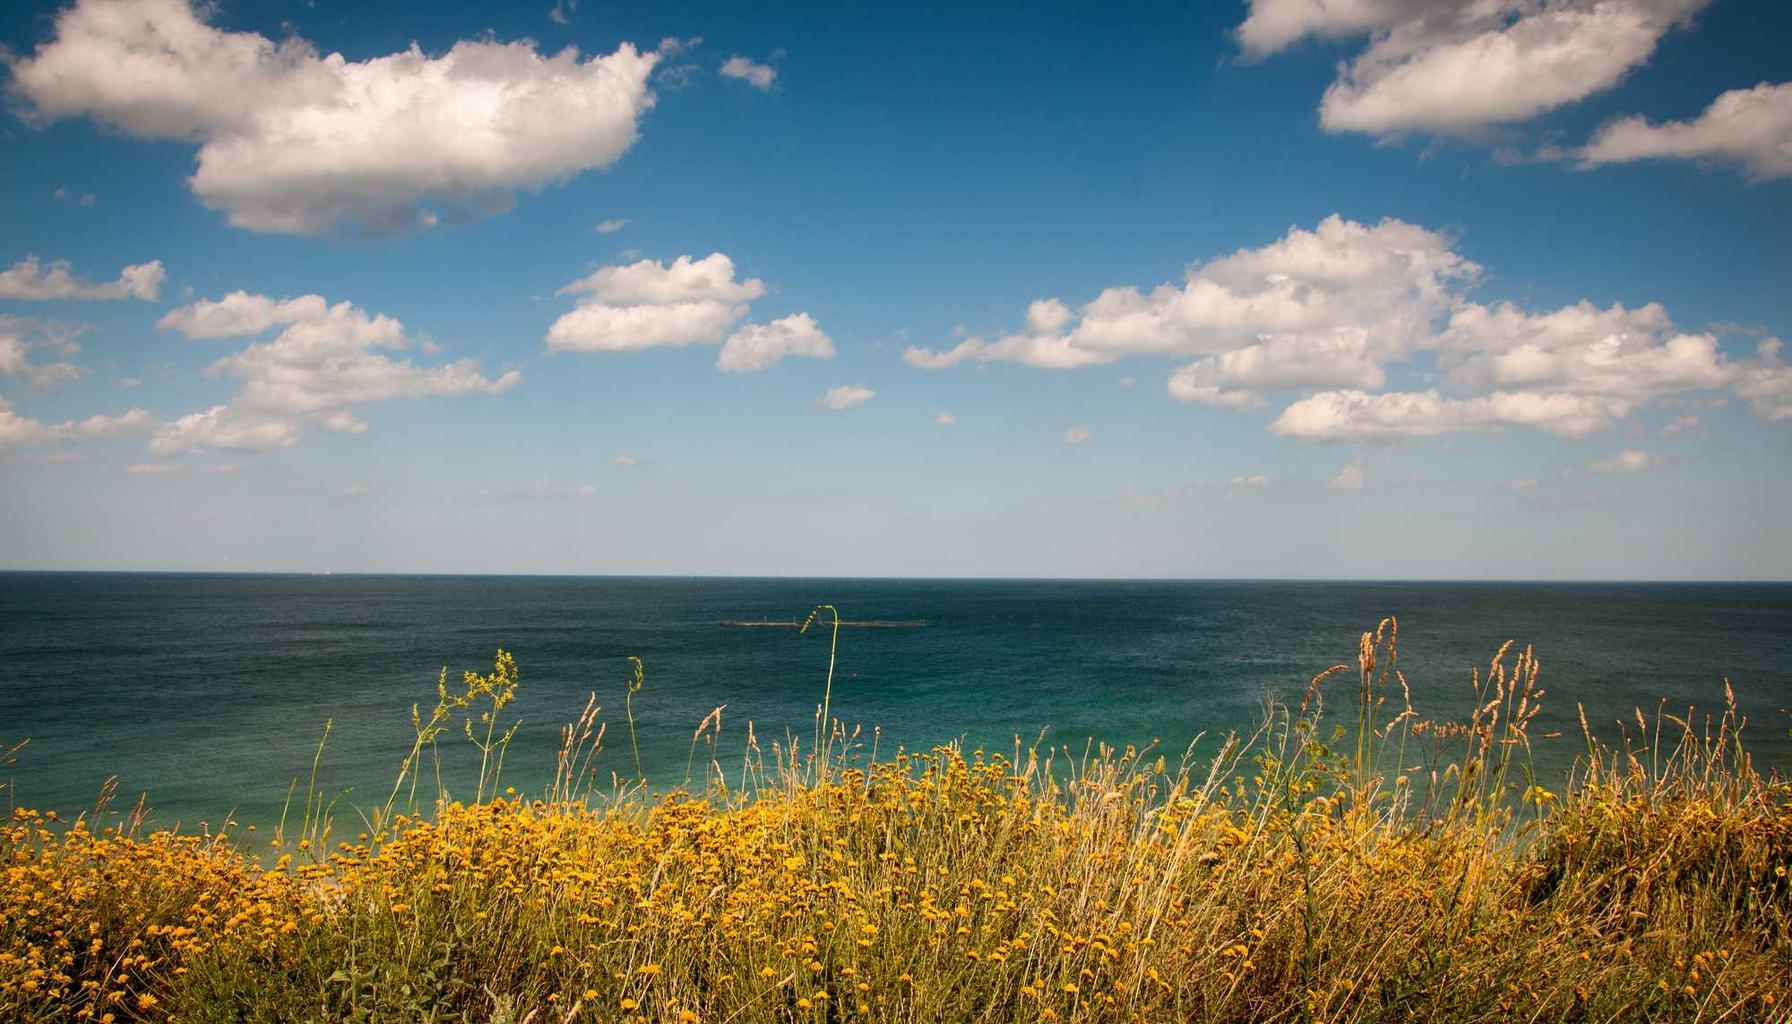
{"x": 209, "y": 692}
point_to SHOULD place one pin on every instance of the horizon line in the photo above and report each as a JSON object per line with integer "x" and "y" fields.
{"x": 872, "y": 578}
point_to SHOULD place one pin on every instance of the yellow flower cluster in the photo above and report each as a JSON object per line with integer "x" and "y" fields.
{"x": 94, "y": 926}
{"x": 931, "y": 887}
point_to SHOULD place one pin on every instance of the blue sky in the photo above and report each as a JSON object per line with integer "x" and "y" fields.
{"x": 1371, "y": 288}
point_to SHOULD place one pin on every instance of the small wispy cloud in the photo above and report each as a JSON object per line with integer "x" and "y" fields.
{"x": 172, "y": 468}
{"x": 675, "y": 69}
{"x": 759, "y": 76}
{"x": 846, "y": 396}
{"x": 87, "y": 199}
{"x": 1630, "y": 460}
{"x": 539, "y": 489}
{"x": 1254, "y": 482}
{"x": 944, "y": 419}
{"x": 611, "y": 226}
{"x": 1162, "y": 496}
{"x": 623, "y": 459}
{"x": 43, "y": 458}
{"x": 1350, "y": 478}
{"x": 1077, "y": 435}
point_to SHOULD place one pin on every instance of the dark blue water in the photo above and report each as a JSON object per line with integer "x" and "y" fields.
{"x": 209, "y": 692}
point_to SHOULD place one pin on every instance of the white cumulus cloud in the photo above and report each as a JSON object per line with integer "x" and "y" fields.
{"x": 21, "y": 336}
{"x": 1350, "y": 415}
{"x": 225, "y": 428}
{"x": 1231, "y": 380}
{"x": 761, "y": 346}
{"x": 295, "y": 141}
{"x": 1767, "y": 382}
{"x": 1326, "y": 314}
{"x": 323, "y": 362}
{"x": 18, "y": 431}
{"x": 30, "y": 279}
{"x": 689, "y": 301}
{"x": 1749, "y": 128}
{"x": 241, "y": 313}
{"x": 648, "y": 304}
{"x": 1315, "y": 308}
{"x": 1461, "y": 68}
{"x": 1272, "y": 25}
{"x": 1627, "y": 354}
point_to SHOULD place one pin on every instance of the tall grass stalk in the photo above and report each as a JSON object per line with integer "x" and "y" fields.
{"x": 635, "y": 682}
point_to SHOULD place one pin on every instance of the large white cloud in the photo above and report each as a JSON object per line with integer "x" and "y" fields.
{"x": 294, "y": 141}
{"x": 1461, "y": 68}
{"x": 322, "y": 364}
{"x": 1232, "y": 380}
{"x": 1324, "y": 315}
{"x": 1316, "y": 307}
{"x": 1573, "y": 372}
{"x": 32, "y": 280}
{"x": 1631, "y": 354}
{"x": 649, "y": 304}
{"x": 1751, "y": 128}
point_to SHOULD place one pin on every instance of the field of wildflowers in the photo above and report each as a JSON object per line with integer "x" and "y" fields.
{"x": 1386, "y": 868}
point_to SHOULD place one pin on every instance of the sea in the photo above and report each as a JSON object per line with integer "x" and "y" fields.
{"x": 208, "y": 695}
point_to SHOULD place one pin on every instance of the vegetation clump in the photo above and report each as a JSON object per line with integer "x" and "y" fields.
{"x": 1389, "y": 869}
